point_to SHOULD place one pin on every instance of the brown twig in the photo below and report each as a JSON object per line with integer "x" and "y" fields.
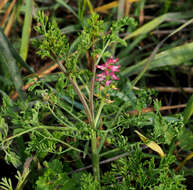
{"x": 151, "y": 109}
{"x": 101, "y": 162}
{"x": 44, "y": 71}
{"x": 173, "y": 89}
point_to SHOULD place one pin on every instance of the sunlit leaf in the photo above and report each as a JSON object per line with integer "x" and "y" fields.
{"x": 151, "y": 144}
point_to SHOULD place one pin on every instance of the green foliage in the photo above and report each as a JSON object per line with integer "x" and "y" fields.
{"x": 53, "y": 124}
{"x": 134, "y": 173}
{"x": 54, "y": 44}
{"x": 88, "y": 183}
{"x": 6, "y": 184}
{"x": 166, "y": 129}
{"x": 54, "y": 178}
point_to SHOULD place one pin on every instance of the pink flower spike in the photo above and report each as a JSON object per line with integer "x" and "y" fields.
{"x": 102, "y": 67}
{"x": 114, "y": 68}
{"x": 109, "y": 68}
{"x": 101, "y": 77}
{"x": 108, "y": 82}
{"x": 114, "y": 76}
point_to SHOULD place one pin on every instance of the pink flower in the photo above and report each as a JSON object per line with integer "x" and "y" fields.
{"x": 109, "y": 71}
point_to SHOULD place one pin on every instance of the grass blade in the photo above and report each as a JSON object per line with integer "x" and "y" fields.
{"x": 188, "y": 110}
{"x": 68, "y": 7}
{"x": 26, "y": 30}
{"x": 172, "y": 57}
{"x": 7, "y": 58}
{"x": 156, "y": 22}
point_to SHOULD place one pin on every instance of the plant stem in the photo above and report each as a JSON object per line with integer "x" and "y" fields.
{"x": 99, "y": 112}
{"x": 95, "y": 157}
{"x": 78, "y": 91}
{"x": 92, "y": 90}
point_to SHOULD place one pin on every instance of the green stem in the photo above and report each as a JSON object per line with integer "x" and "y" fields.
{"x": 102, "y": 52}
{"x": 93, "y": 123}
{"x": 99, "y": 112}
{"x": 92, "y": 90}
{"x": 95, "y": 157}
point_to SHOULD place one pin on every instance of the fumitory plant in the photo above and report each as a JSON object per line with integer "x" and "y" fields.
{"x": 84, "y": 114}
{"x": 95, "y": 42}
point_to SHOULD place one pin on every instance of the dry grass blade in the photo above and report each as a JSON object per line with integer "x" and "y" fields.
{"x": 184, "y": 161}
{"x": 7, "y": 13}
{"x": 44, "y": 71}
{"x": 10, "y": 22}
{"x": 105, "y": 8}
{"x": 2, "y": 3}
{"x": 156, "y": 22}
{"x": 173, "y": 89}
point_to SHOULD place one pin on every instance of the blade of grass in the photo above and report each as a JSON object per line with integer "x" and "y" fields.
{"x": 7, "y": 58}
{"x": 26, "y": 30}
{"x": 2, "y": 3}
{"x": 172, "y": 57}
{"x": 90, "y": 6}
{"x": 153, "y": 54}
{"x": 156, "y": 22}
{"x": 10, "y": 22}
{"x": 7, "y": 13}
{"x": 105, "y": 8}
{"x": 190, "y": 156}
{"x": 81, "y": 8}
{"x": 126, "y": 51}
{"x": 68, "y": 7}
{"x": 188, "y": 110}
{"x": 121, "y": 7}
{"x": 13, "y": 17}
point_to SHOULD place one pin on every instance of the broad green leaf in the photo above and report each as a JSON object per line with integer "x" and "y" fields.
{"x": 151, "y": 144}
{"x": 7, "y": 58}
{"x": 188, "y": 110}
{"x": 172, "y": 57}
